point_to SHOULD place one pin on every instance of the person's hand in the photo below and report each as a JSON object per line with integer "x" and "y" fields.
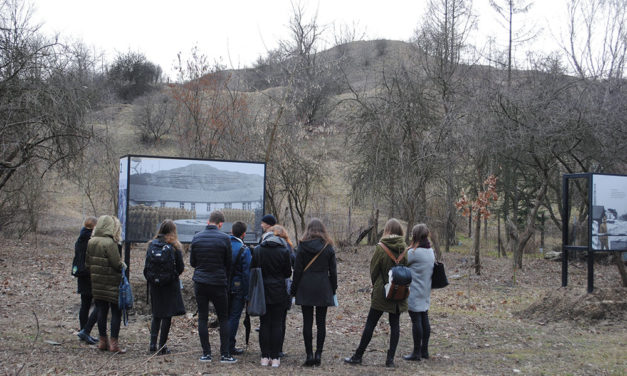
{"x": 123, "y": 265}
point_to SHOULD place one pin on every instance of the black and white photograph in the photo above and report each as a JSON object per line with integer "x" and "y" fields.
{"x": 609, "y": 212}
{"x": 188, "y": 190}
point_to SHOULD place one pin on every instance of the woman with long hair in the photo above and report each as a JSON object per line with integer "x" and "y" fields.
{"x": 380, "y": 264}
{"x": 315, "y": 284}
{"x": 420, "y": 259}
{"x": 273, "y": 257}
{"x": 166, "y": 298}
{"x": 105, "y": 267}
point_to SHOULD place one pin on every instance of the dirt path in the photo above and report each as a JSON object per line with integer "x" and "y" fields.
{"x": 475, "y": 330}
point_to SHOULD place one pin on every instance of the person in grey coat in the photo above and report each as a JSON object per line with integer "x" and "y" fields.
{"x": 315, "y": 283}
{"x": 420, "y": 259}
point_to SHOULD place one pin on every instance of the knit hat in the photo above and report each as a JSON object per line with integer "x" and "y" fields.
{"x": 269, "y": 219}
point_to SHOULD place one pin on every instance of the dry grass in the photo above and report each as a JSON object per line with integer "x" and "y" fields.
{"x": 474, "y": 326}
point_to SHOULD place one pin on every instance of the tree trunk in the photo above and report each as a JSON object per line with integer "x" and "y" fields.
{"x": 485, "y": 229}
{"x": 476, "y": 244}
{"x": 470, "y": 225}
{"x": 498, "y": 234}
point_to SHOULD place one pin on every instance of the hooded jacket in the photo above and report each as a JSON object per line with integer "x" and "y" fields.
{"x": 273, "y": 257}
{"x": 380, "y": 265}
{"x": 316, "y": 285}
{"x": 104, "y": 261}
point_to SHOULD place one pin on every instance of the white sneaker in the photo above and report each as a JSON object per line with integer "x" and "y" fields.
{"x": 265, "y": 362}
{"x": 276, "y": 363}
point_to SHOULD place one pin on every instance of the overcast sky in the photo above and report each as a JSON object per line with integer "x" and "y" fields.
{"x": 237, "y": 32}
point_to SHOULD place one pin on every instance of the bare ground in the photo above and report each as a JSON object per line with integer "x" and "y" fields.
{"x": 481, "y": 325}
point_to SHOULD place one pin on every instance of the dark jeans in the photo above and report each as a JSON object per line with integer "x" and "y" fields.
{"x": 271, "y": 331}
{"x": 321, "y": 328}
{"x": 86, "y": 320}
{"x": 216, "y": 295}
{"x": 237, "y": 303}
{"x": 116, "y": 318}
{"x": 371, "y": 322}
{"x": 164, "y": 324}
{"x": 421, "y": 331}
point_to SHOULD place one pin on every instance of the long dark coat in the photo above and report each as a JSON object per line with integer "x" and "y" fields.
{"x": 80, "y": 249}
{"x": 167, "y": 300}
{"x": 273, "y": 257}
{"x": 316, "y": 285}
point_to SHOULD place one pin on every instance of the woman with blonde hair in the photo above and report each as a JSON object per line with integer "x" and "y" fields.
{"x": 105, "y": 267}
{"x": 315, "y": 283}
{"x": 380, "y": 264}
{"x": 164, "y": 250}
{"x": 420, "y": 259}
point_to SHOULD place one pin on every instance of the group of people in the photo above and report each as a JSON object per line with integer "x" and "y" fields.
{"x": 305, "y": 275}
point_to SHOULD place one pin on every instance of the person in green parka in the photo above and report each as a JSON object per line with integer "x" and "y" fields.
{"x": 105, "y": 266}
{"x": 379, "y": 267}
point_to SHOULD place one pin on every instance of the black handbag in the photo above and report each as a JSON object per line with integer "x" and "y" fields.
{"x": 438, "y": 279}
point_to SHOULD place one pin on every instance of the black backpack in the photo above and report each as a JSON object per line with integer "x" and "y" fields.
{"x": 160, "y": 268}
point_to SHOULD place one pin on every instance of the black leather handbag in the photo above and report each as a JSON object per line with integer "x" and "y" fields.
{"x": 438, "y": 279}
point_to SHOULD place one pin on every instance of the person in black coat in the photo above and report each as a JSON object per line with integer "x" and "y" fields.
{"x": 315, "y": 284}
{"x": 273, "y": 257}
{"x": 166, "y": 299}
{"x": 80, "y": 271}
{"x": 211, "y": 257}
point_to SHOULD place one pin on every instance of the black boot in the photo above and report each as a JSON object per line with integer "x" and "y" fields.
{"x": 309, "y": 361}
{"x": 389, "y": 361}
{"x": 153, "y": 343}
{"x": 424, "y": 351}
{"x": 413, "y": 356}
{"x": 317, "y": 357}
{"x": 355, "y": 359}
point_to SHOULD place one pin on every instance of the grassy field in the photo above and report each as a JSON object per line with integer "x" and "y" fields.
{"x": 479, "y": 323}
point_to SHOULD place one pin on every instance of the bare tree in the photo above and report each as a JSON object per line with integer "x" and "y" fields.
{"x": 210, "y": 116}
{"x": 154, "y": 116}
{"x": 442, "y": 40}
{"x": 45, "y": 92}
{"x": 508, "y": 9}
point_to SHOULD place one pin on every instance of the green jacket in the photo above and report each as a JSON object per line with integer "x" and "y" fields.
{"x": 379, "y": 268}
{"x": 104, "y": 261}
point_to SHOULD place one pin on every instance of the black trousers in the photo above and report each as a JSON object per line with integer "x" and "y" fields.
{"x": 321, "y": 327}
{"x": 86, "y": 320}
{"x": 271, "y": 331}
{"x": 116, "y": 318}
{"x": 157, "y": 323}
{"x": 371, "y": 323}
{"x": 216, "y": 295}
{"x": 421, "y": 331}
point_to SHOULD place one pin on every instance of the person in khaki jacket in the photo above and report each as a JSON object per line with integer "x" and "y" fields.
{"x": 380, "y": 264}
{"x": 105, "y": 266}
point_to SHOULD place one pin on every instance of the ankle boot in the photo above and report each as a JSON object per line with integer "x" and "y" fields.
{"x": 389, "y": 361}
{"x": 355, "y": 359}
{"x": 424, "y": 351}
{"x": 114, "y": 346}
{"x": 153, "y": 343}
{"x": 103, "y": 343}
{"x": 317, "y": 357}
{"x": 414, "y": 356}
{"x": 309, "y": 361}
